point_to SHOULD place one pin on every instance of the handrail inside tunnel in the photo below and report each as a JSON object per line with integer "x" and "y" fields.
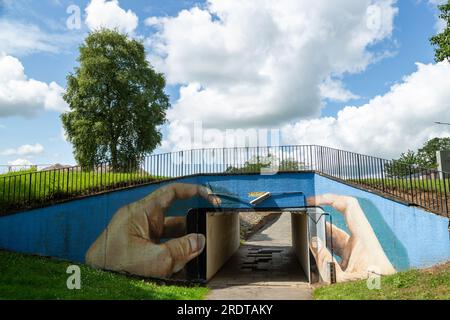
{"x": 256, "y": 205}
{"x": 424, "y": 187}
{"x": 197, "y": 269}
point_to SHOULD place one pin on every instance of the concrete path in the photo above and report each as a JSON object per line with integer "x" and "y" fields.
{"x": 264, "y": 268}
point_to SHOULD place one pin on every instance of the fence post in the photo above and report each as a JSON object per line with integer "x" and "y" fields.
{"x": 444, "y": 174}
{"x": 29, "y": 188}
{"x": 321, "y": 159}
{"x": 411, "y": 184}
{"x": 359, "y": 167}
{"x": 202, "y": 155}
{"x": 382, "y": 174}
{"x": 339, "y": 163}
{"x": 67, "y": 188}
{"x": 182, "y": 163}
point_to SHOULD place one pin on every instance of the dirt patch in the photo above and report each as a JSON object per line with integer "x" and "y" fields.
{"x": 437, "y": 268}
{"x": 252, "y": 222}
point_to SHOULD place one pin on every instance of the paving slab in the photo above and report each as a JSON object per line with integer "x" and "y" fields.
{"x": 265, "y": 267}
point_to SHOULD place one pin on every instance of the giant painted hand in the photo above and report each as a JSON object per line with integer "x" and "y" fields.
{"x": 131, "y": 241}
{"x": 361, "y": 252}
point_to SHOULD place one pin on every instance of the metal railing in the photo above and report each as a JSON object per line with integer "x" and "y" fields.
{"x": 9, "y": 168}
{"x": 426, "y": 188}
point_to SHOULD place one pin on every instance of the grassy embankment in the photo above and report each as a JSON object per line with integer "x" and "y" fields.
{"x": 429, "y": 284}
{"x": 28, "y": 187}
{"x": 405, "y": 184}
{"x": 31, "y": 277}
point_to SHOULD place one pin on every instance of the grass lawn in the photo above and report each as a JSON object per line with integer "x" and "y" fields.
{"x": 30, "y": 277}
{"x": 406, "y": 184}
{"x": 429, "y": 284}
{"x": 25, "y": 188}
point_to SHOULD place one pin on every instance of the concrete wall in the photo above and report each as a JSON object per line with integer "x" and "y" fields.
{"x": 222, "y": 240}
{"x": 409, "y": 236}
{"x": 300, "y": 240}
{"x": 67, "y": 230}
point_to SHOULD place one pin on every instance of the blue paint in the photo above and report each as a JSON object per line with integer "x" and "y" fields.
{"x": 410, "y": 237}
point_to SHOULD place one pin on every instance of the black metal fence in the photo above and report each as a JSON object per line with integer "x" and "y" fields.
{"x": 423, "y": 187}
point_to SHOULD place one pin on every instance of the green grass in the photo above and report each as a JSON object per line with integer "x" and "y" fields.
{"x": 406, "y": 184}
{"x": 31, "y": 277}
{"x": 431, "y": 284}
{"x": 24, "y": 188}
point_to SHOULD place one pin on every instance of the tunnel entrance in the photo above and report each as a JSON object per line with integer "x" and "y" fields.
{"x": 267, "y": 257}
{"x": 278, "y": 253}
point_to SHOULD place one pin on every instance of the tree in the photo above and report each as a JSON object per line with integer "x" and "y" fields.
{"x": 442, "y": 40}
{"x": 413, "y": 162}
{"x": 403, "y": 166}
{"x": 426, "y": 156}
{"x": 116, "y": 100}
{"x": 258, "y": 163}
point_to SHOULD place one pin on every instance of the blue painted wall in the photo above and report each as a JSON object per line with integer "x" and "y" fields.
{"x": 68, "y": 229}
{"x": 411, "y": 237}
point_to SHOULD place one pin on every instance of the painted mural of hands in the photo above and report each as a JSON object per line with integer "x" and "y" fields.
{"x": 131, "y": 241}
{"x": 361, "y": 253}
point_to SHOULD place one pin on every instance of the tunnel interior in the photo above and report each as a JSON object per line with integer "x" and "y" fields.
{"x": 282, "y": 251}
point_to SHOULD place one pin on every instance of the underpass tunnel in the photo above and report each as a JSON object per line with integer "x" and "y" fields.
{"x": 282, "y": 251}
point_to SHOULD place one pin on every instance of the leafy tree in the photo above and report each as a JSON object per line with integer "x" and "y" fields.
{"x": 116, "y": 100}
{"x": 413, "y": 162}
{"x": 427, "y": 154}
{"x": 403, "y": 166}
{"x": 258, "y": 163}
{"x": 442, "y": 40}
{"x": 253, "y": 165}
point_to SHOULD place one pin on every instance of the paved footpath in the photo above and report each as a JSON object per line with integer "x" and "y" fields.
{"x": 265, "y": 267}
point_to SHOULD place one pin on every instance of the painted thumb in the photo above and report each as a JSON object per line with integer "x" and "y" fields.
{"x": 184, "y": 249}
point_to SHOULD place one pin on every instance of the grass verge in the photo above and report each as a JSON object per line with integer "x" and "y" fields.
{"x": 428, "y": 284}
{"x": 19, "y": 190}
{"x": 31, "y": 277}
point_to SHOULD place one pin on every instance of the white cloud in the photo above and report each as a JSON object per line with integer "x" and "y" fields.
{"x": 109, "y": 14}
{"x": 18, "y": 38}
{"x": 63, "y": 135}
{"x": 440, "y": 23}
{"x": 437, "y": 2}
{"x": 263, "y": 63}
{"x": 387, "y": 125}
{"x": 21, "y": 38}
{"x": 20, "y": 162}
{"x": 24, "y": 150}
{"x": 334, "y": 90}
{"x": 25, "y": 97}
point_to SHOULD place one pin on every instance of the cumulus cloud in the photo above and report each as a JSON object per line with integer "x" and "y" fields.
{"x": 388, "y": 124}
{"x": 21, "y": 96}
{"x": 109, "y": 14}
{"x": 21, "y": 38}
{"x": 258, "y": 63}
{"x": 24, "y": 150}
{"x": 335, "y": 90}
{"x": 20, "y": 162}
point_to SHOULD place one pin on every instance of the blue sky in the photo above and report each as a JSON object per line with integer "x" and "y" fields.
{"x": 407, "y": 44}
